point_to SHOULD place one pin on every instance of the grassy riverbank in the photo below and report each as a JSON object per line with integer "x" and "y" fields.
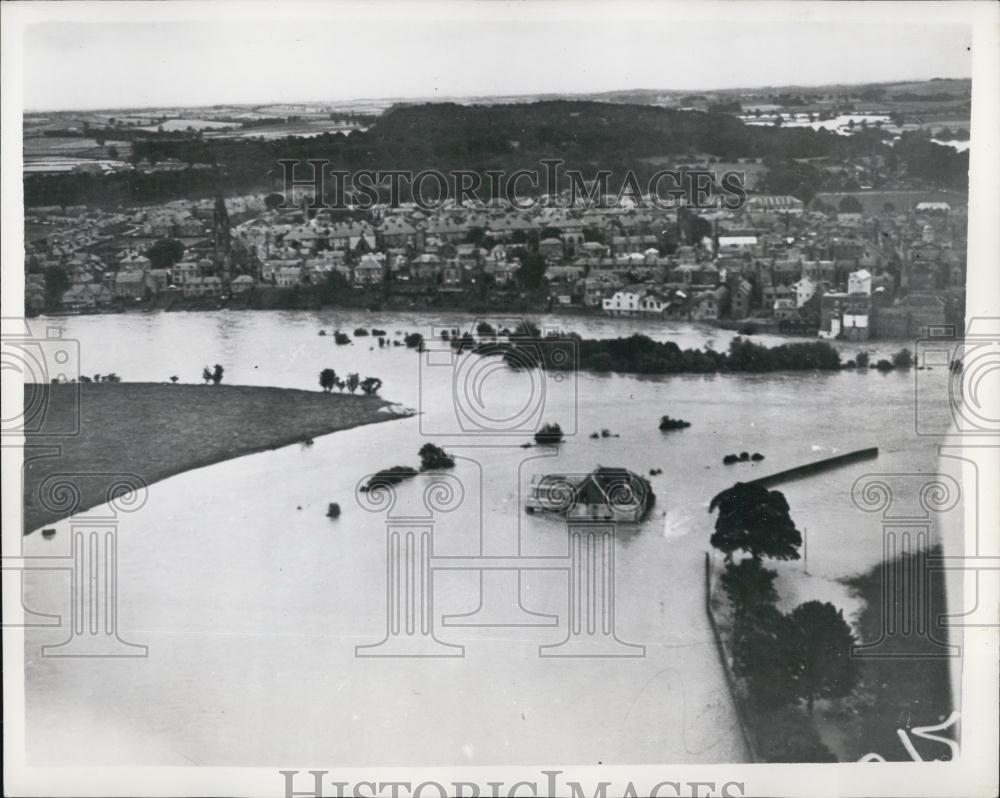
{"x": 156, "y": 430}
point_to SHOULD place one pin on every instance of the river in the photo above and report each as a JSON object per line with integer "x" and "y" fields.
{"x": 251, "y": 601}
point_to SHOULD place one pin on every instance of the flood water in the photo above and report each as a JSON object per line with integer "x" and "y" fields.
{"x": 251, "y": 601}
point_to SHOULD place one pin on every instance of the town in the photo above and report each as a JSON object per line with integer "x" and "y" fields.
{"x": 854, "y": 264}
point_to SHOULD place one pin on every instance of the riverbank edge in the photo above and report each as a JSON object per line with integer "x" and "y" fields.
{"x": 726, "y": 662}
{"x": 764, "y": 731}
{"x": 379, "y": 415}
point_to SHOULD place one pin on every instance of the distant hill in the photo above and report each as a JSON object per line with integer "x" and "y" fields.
{"x": 586, "y": 135}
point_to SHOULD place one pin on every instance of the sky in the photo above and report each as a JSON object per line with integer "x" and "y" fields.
{"x": 84, "y": 65}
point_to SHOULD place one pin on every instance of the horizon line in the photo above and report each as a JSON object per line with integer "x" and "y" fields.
{"x": 430, "y": 99}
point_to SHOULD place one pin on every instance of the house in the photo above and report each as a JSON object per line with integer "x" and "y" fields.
{"x": 241, "y": 284}
{"x": 859, "y": 282}
{"x": 130, "y": 284}
{"x": 288, "y": 276}
{"x": 742, "y": 296}
{"x": 183, "y": 271}
{"x": 780, "y": 205}
{"x": 911, "y": 317}
{"x": 605, "y": 494}
{"x": 622, "y": 303}
{"x": 503, "y": 272}
{"x": 211, "y": 286}
{"x": 158, "y": 280}
{"x": 370, "y": 269}
{"x": 784, "y": 310}
{"x": 804, "y": 290}
{"x": 770, "y": 294}
{"x": 427, "y": 267}
{"x": 845, "y": 316}
{"x": 86, "y": 297}
{"x": 736, "y": 243}
{"x": 709, "y": 305}
{"x": 551, "y": 248}
{"x": 397, "y": 232}
{"x": 133, "y": 262}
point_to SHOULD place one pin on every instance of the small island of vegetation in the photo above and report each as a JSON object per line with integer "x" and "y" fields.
{"x": 667, "y": 423}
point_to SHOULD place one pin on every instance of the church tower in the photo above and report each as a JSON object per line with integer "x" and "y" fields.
{"x": 221, "y": 242}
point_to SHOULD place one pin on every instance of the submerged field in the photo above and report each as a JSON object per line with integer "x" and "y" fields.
{"x": 97, "y": 434}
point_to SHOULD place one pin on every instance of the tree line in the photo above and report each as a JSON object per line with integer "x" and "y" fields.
{"x": 586, "y": 135}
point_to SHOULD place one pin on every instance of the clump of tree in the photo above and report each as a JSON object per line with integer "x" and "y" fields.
{"x": 781, "y": 659}
{"x": 360, "y": 332}
{"x": 549, "y": 434}
{"x": 352, "y": 381}
{"x": 822, "y": 643}
{"x": 388, "y": 476}
{"x": 667, "y": 423}
{"x": 903, "y": 359}
{"x": 755, "y": 520}
{"x": 328, "y": 380}
{"x": 640, "y": 354}
{"x": 341, "y": 339}
{"x": 213, "y": 375}
{"x": 414, "y": 341}
{"x": 370, "y": 386}
{"x": 165, "y": 252}
{"x": 434, "y": 458}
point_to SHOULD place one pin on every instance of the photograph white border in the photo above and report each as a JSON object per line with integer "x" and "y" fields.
{"x": 974, "y": 774}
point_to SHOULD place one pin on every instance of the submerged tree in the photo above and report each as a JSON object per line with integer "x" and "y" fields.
{"x": 755, "y": 520}
{"x": 824, "y": 665}
{"x": 434, "y": 458}
{"x": 548, "y": 434}
{"x": 749, "y": 585}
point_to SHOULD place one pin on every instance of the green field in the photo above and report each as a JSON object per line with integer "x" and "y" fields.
{"x": 156, "y": 430}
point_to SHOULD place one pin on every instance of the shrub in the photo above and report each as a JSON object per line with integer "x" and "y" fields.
{"x": 389, "y": 476}
{"x": 414, "y": 341}
{"x": 549, "y": 434}
{"x": 862, "y": 360}
{"x": 434, "y": 458}
{"x": 903, "y": 359}
{"x": 360, "y": 332}
{"x": 668, "y": 423}
{"x": 341, "y": 338}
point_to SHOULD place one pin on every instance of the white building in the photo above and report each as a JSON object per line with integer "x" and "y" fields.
{"x": 860, "y": 282}
{"x": 805, "y": 289}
